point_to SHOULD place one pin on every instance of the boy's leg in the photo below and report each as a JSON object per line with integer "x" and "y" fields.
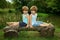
{"x": 40, "y": 23}
{"x": 9, "y": 23}
{"x": 13, "y": 23}
{"x": 44, "y": 24}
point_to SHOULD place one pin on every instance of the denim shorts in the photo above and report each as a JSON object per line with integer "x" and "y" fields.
{"x": 22, "y": 24}
{"x": 37, "y": 23}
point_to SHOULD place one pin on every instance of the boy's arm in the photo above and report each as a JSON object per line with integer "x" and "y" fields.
{"x": 30, "y": 20}
{"x": 37, "y": 17}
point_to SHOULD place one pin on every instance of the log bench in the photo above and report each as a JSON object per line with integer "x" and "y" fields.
{"x": 46, "y": 31}
{"x": 10, "y": 32}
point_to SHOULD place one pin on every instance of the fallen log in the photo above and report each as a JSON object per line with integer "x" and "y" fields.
{"x": 10, "y": 32}
{"x": 45, "y": 31}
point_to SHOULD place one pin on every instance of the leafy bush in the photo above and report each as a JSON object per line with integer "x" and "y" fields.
{"x": 42, "y": 16}
{"x": 11, "y": 11}
{"x": 9, "y": 17}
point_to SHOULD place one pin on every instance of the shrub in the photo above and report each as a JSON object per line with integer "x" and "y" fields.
{"x": 42, "y": 16}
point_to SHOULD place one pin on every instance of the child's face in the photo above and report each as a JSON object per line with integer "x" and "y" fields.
{"x": 33, "y": 12}
{"x": 25, "y": 12}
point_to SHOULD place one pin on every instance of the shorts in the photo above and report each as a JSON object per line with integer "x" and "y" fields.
{"x": 37, "y": 23}
{"x": 22, "y": 24}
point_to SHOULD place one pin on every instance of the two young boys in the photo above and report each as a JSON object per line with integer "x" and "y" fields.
{"x": 29, "y": 20}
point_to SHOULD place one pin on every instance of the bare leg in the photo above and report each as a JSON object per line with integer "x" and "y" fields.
{"x": 9, "y": 23}
{"x": 16, "y": 24}
{"x": 44, "y": 24}
{"x": 13, "y": 23}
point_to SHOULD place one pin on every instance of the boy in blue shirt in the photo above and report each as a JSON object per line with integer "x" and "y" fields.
{"x": 25, "y": 18}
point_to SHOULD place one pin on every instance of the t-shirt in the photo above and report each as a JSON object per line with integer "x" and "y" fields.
{"x": 34, "y": 17}
{"x": 24, "y": 17}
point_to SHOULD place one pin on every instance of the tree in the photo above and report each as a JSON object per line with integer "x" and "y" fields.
{"x": 19, "y": 3}
{"x": 3, "y": 4}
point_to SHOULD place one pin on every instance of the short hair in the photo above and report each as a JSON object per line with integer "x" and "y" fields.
{"x": 25, "y": 8}
{"x": 34, "y": 8}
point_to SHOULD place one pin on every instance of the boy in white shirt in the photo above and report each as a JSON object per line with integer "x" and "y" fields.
{"x": 33, "y": 17}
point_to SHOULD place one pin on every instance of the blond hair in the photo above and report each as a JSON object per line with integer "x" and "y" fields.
{"x": 34, "y": 8}
{"x": 25, "y": 8}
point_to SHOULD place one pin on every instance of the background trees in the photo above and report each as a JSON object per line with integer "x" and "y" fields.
{"x": 45, "y": 6}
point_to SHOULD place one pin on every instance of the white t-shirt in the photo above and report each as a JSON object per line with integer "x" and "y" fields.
{"x": 34, "y": 17}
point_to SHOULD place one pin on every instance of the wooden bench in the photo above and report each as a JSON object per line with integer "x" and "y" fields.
{"x": 46, "y": 31}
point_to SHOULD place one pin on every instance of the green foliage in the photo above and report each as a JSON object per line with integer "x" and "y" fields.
{"x": 7, "y": 15}
{"x": 11, "y": 11}
{"x": 2, "y": 11}
{"x": 45, "y": 6}
{"x": 3, "y": 4}
{"x": 43, "y": 16}
{"x": 40, "y": 4}
{"x": 19, "y": 3}
{"x": 53, "y": 3}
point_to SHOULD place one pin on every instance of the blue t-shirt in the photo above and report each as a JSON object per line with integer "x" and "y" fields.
{"x": 24, "y": 17}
